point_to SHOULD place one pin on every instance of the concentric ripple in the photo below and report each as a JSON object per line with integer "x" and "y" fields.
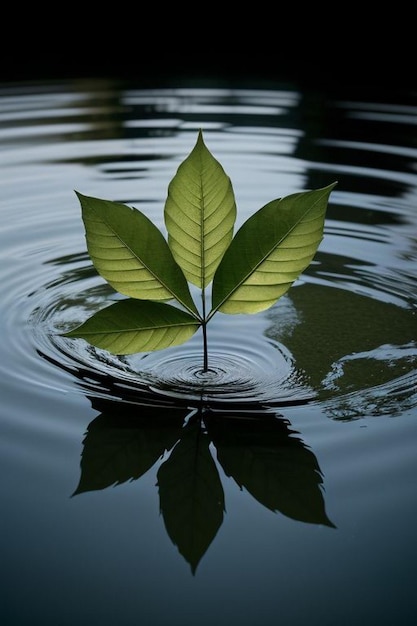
{"x": 261, "y": 371}
{"x": 343, "y": 338}
{"x": 258, "y": 370}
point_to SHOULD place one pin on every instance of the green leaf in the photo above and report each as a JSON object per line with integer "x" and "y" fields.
{"x": 130, "y": 252}
{"x": 130, "y": 326}
{"x": 268, "y": 253}
{"x": 200, "y": 213}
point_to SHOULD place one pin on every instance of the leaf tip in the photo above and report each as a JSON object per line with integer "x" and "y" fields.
{"x": 80, "y": 196}
{"x": 72, "y": 333}
{"x": 200, "y": 136}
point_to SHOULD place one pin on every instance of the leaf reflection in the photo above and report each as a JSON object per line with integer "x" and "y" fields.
{"x": 123, "y": 445}
{"x": 256, "y": 448}
{"x": 191, "y": 495}
{"x": 275, "y": 467}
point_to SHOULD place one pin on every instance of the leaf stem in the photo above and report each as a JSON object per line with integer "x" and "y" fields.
{"x": 205, "y": 357}
{"x": 204, "y": 327}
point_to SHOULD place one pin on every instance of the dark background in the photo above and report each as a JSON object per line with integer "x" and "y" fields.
{"x": 70, "y": 60}
{"x": 166, "y": 44}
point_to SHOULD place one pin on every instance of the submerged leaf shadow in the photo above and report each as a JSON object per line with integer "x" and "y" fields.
{"x": 253, "y": 446}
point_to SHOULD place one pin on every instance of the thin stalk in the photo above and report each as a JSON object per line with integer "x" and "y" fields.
{"x": 204, "y": 327}
{"x": 205, "y": 356}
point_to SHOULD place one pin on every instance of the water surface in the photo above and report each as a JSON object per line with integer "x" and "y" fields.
{"x": 281, "y": 486}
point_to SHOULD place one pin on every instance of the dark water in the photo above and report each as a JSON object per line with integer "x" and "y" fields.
{"x": 280, "y": 488}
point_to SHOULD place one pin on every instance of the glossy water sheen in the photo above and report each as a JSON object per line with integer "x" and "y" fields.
{"x": 280, "y": 486}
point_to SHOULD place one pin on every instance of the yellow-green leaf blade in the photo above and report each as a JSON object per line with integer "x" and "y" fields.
{"x": 269, "y": 252}
{"x": 200, "y": 213}
{"x": 131, "y": 326}
{"x": 129, "y": 251}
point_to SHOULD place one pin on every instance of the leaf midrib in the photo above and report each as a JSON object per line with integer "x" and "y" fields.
{"x": 202, "y": 232}
{"x": 137, "y": 330}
